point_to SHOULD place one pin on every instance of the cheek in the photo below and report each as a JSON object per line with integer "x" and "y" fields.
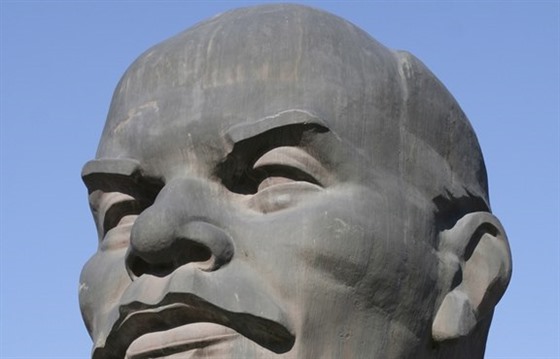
{"x": 402, "y": 271}
{"x": 321, "y": 247}
{"x": 336, "y": 245}
{"x": 102, "y": 282}
{"x": 350, "y": 230}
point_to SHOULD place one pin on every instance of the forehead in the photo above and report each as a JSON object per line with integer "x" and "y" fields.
{"x": 251, "y": 64}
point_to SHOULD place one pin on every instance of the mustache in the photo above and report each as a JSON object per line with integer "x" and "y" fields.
{"x": 178, "y": 309}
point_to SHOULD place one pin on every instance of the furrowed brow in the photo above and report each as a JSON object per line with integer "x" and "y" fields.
{"x": 118, "y": 175}
{"x": 245, "y": 131}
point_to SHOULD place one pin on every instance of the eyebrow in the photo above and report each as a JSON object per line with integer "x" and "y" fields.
{"x": 245, "y": 131}
{"x": 113, "y": 166}
{"x": 117, "y": 175}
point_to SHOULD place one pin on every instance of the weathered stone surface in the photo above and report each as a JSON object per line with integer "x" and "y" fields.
{"x": 273, "y": 182}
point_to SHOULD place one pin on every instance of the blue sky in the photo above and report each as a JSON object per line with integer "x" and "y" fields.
{"x": 60, "y": 62}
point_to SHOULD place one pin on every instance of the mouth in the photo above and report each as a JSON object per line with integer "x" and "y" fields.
{"x": 183, "y": 322}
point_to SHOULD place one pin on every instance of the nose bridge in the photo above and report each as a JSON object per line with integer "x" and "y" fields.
{"x": 188, "y": 198}
{"x": 182, "y": 226}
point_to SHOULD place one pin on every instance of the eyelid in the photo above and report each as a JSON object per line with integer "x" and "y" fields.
{"x": 282, "y": 196}
{"x": 294, "y": 157}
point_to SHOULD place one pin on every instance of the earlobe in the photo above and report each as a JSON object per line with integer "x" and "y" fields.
{"x": 477, "y": 252}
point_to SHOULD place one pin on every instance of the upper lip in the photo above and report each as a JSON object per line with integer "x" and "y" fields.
{"x": 178, "y": 309}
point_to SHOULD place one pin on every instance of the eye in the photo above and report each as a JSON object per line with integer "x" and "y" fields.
{"x": 273, "y": 175}
{"x": 113, "y": 209}
{"x": 117, "y": 199}
{"x": 285, "y": 176}
{"x": 288, "y": 164}
{"x": 123, "y": 207}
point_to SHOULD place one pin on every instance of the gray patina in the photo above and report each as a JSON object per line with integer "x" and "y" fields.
{"x": 273, "y": 182}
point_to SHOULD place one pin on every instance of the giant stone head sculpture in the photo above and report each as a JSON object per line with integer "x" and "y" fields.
{"x": 273, "y": 182}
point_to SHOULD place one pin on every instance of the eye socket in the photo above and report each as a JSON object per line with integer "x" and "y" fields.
{"x": 117, "y": 211}
{"x": 291, "y": 163}
{"x": 110, "y": 209}
{"x": 284, "y": 177}
{"x": 116, "y": 199}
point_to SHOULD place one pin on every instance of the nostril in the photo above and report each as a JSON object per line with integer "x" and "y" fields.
{"x": 195, "y": 253}
{"x": 189, "y": 251}
{"x": 137, "y": 266}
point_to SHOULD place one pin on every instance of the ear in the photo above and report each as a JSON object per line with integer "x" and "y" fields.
{"x": 476, "y": 254}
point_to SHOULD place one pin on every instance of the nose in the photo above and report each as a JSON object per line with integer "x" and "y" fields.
{"x": 181, "y": 227}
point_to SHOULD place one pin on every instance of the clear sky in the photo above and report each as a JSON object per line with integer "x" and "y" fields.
{"x": 60, "y": 62}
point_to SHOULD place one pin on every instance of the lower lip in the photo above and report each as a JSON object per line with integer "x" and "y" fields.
{"x": 179, "y": 340}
